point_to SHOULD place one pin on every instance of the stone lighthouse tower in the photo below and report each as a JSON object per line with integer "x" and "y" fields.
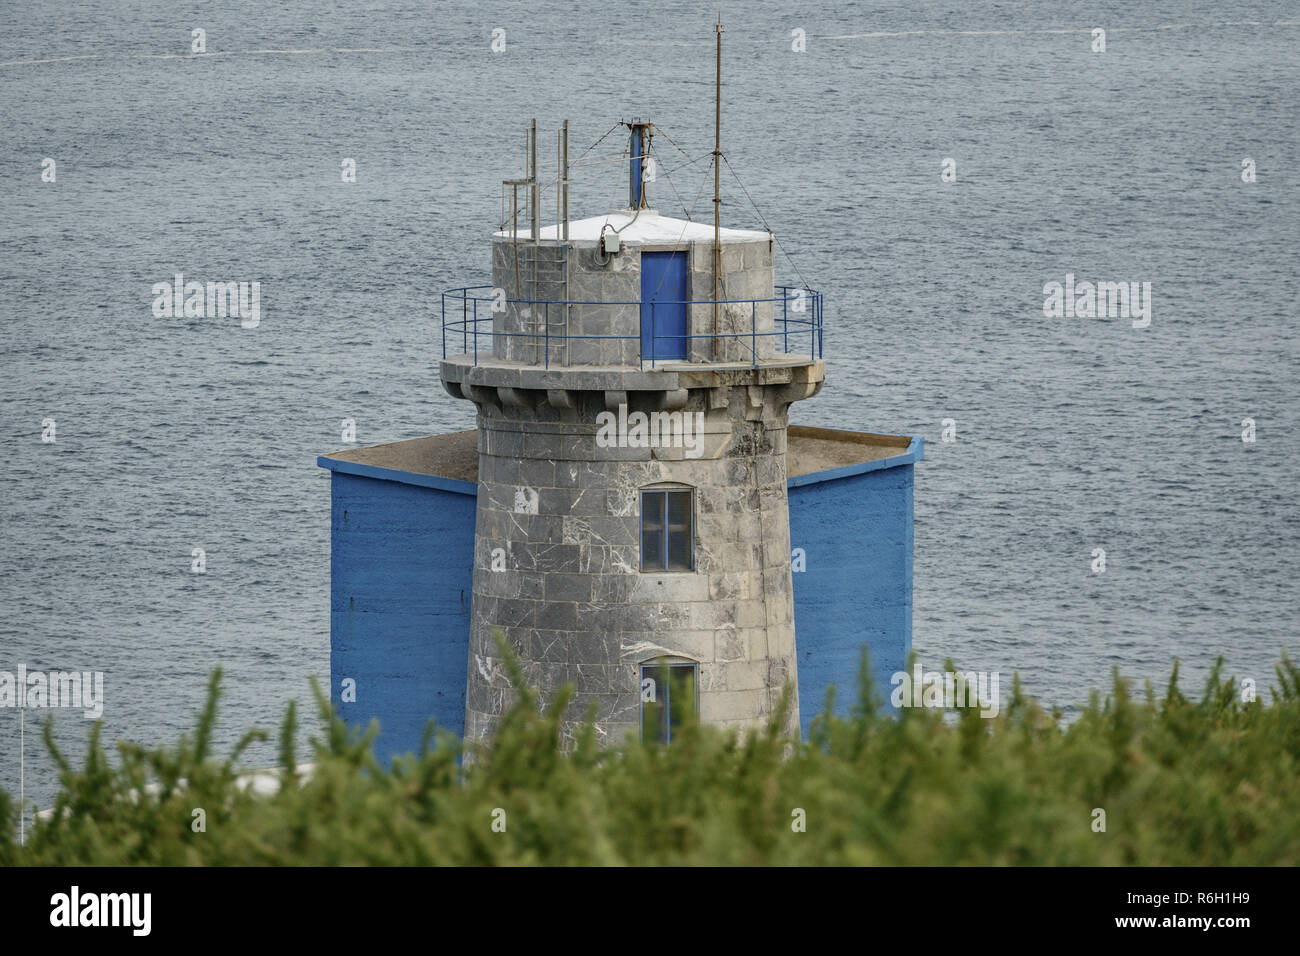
{"x": 632, "y": 375}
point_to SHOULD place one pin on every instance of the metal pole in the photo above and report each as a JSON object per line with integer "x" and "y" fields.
{"x": 633, "y": 166}
{"x": 717, "y": 199}
{"x": 535, "y": 206}
{"x": 563, "y": 192}
{"x": 564, "y": 179}
{"x": 514, "y": 231}
{"x": 534, "y": 210}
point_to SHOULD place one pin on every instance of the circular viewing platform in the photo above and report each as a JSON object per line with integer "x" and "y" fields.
{"x": 484, "y": 325}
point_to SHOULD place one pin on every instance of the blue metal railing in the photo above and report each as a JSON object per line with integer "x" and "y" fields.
{"x": 801, "y": 315}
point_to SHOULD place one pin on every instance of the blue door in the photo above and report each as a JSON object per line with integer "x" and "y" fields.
{"x": 663, "y": 306}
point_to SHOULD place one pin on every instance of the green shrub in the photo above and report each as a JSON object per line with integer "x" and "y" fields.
{"x": 1181, "y": 782}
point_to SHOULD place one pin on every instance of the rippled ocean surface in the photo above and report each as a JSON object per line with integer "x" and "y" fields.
{"x": 1071, "y": 434}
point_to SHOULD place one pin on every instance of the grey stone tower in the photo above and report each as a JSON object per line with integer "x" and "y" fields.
{"x": 632, "y": 508}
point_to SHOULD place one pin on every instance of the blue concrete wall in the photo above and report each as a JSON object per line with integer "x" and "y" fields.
{"x": 401, "y": 568}
{"x": 856, "y": 532}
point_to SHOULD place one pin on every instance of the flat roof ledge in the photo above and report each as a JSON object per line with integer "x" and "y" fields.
{"x": 825, "y": 454}
{"x": 450, "y": 462}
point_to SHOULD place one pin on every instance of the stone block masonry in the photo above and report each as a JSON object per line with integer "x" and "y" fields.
{"x": 595, "y": 315}
{"x": 557, "y": 561}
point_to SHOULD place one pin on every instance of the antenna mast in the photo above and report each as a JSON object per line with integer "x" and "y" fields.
{"x": 717, "y": 198}
{"x": 638, "y": 145}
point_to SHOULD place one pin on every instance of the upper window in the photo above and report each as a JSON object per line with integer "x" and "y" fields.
{"x": 667, "y": 538}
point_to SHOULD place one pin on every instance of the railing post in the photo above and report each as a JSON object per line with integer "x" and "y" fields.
{"x": 654, "y": 348}
{"x": 812, "y": 323}
{"x": 785, "y": 318}
{"x": 814, "y": 349}
{"x": 444, "y": 325}
{"x": 753, "y": 330}
{"x": 464, "y": 321}
{"x": 475, "y": 328}
{"x": 546, "y": 317}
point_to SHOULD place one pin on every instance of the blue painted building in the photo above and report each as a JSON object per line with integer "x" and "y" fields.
{"x": 401, "y": 558}
{"x": 854, "y": 523}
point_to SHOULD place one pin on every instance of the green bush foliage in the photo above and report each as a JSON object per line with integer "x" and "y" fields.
{"x": 1181, "y": 782}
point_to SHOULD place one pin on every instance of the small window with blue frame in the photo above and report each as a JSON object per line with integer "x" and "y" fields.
{"x": 668, "y": 699}
{"x": 667, "y": 535}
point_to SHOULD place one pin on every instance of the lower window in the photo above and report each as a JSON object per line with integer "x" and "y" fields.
{"x": 668, "y": 700}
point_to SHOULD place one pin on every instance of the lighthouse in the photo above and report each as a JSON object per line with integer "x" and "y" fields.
{"x": 632, "y": 531}
{"x": 632, "y": 514}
